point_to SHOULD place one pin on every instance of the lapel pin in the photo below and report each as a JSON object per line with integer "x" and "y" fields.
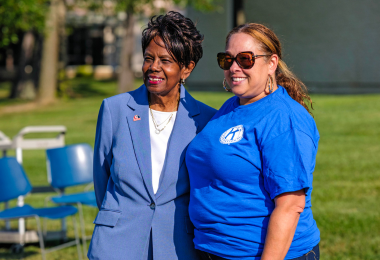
{"x": 136, "y": 118}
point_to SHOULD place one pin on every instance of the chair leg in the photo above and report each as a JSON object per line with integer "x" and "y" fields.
{"x": 40, "y": 238}
{"x": 7, "y": 222}
{"x": 82, "y": 227}
{"x": 44, "y": 225}
{"x": 77, "y": 238}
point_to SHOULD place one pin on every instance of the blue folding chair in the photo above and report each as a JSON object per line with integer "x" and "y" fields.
{"x": 14, "y": 183}
{"x": 71, "y": 166}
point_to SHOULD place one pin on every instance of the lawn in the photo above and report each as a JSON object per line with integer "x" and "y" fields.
{"x": 346, "y": 178}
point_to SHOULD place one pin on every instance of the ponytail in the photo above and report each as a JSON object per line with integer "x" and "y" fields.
{"x": 295, "y": 87}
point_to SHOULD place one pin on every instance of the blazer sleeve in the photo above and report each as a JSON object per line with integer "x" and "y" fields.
{"x": 102, "y": 152}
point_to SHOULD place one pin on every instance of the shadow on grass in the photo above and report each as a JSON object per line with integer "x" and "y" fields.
{"x": 82, "y": 87}
{"x": 29, "y": 249}
{"x": 6, "y": 251}
{"x": 5, "y": 88}
{"x": 87, "y": 87}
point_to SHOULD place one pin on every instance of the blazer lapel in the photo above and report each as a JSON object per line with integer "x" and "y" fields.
{"x": 139, "y": 129}
{"x": 184, "y": 130}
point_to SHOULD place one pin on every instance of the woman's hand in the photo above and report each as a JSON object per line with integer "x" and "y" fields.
{"x": 282, "y": 224}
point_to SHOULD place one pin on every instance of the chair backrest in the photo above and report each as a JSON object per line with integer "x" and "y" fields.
{"x": 13, "y": 180}
{"x": 70, "y": 165}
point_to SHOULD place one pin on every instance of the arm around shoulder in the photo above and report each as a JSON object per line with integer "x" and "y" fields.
{"x": 208, "y": 111}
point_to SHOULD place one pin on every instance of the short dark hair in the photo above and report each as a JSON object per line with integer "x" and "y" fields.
{"x": 179, "y": 34}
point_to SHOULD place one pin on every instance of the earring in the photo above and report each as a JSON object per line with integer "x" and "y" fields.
{"x": 225, "y": 86}
{"x": 182, "y": 81}
{"x": 270, "y": 86}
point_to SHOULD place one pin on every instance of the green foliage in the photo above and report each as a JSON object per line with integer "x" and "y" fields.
{"x": 139, "y": 6}
{"x": 20, "y": 16}
{"x": 85, "y": 71}
{"x": 24, "y": 15}
{"x": 201, "y": 5}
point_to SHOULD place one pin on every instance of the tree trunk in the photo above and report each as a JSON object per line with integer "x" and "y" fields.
{"x": 23, "y": 85}
{"x": 126, "y": 76}
{"x": 37, "y": 60}
{"x": 63, "y": 55}
{"x": 49, "y": 62}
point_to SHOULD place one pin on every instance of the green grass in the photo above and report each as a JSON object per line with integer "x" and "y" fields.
{"x": 346, "y": 178}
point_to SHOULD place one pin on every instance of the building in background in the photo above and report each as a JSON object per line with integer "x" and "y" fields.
{"x": 96, "y": 39}
{"x": 333, "y": 46}
{"x": 90, "y": 38}
{"x": 330, "y": 45}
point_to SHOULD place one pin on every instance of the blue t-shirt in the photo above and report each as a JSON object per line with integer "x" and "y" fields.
{"x": 244, "y": 158}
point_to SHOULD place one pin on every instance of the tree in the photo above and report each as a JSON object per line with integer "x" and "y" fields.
{"x": 23, "y": 19}
{"x": 20, "y": 16}
{"x": 137, "y": 7}
{"x": 44, "y": 17}
{"x": 38, "y": 22}
{"x": 49, "y": 60}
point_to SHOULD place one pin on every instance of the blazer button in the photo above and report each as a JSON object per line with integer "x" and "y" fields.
{"x": 152, "y": 205}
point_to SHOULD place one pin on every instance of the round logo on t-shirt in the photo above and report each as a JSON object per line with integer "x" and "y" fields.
{"x": 232, "y": 135}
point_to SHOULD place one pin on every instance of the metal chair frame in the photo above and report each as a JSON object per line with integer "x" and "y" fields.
{"x": 15, "y": 183}
{"x": 55, "y": 248}
{"x": 79, "y": 204}
{"x": 18, "y": 143}
{"x": 84, "y": 237}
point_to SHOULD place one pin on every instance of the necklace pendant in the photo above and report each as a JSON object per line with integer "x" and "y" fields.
{"x": 157, "y": 131}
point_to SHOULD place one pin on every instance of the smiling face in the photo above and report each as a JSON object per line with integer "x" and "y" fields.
{"x": 248, "y": 84}
{"x": 162, "y": 73}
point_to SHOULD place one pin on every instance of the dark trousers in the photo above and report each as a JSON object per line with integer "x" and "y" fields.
{"x": 207, "y": 256}
{"x": 313, "y": 254}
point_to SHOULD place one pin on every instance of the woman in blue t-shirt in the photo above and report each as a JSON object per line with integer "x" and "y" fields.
{"x": 251, "y": 168}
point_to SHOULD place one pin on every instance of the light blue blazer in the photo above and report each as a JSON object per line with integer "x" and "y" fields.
{"x": 129, "y": 211}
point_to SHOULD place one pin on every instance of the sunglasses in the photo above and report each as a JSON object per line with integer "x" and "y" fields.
{"x": 245, "y": 60}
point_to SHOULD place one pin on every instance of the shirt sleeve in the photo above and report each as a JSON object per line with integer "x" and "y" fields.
{"x": 102, "y": 153}
{"x": 288, "y": 163}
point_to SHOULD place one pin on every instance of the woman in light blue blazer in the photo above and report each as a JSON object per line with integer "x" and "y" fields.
{"x": 140, "y": 177}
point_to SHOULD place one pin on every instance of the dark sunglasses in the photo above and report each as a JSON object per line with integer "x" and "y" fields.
{"x": 245, "y": 60}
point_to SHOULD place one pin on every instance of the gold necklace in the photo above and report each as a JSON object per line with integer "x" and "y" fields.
{"x": 158, "y": 131}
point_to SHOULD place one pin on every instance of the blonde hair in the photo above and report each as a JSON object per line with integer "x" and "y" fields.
{"x": 271, "y": 45}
